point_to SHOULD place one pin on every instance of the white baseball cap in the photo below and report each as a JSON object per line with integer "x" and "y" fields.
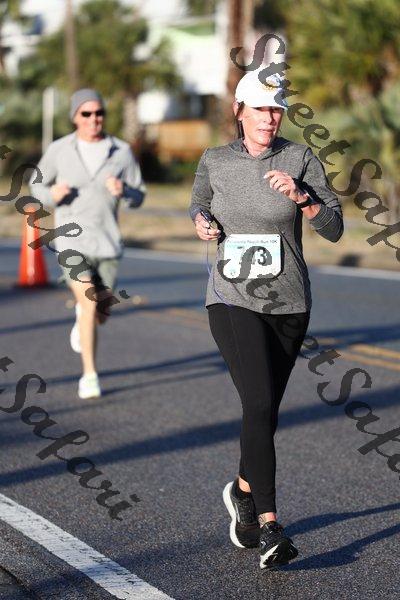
{"x": 261, "y": 91}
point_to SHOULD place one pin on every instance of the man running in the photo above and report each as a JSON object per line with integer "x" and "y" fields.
{"x": 85, "y": 175}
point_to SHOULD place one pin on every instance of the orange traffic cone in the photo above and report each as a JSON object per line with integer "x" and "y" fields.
{"x": 32, "y": 266}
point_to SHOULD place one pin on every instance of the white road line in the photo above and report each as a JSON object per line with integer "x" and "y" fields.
{"x": 109, "y": 575}
{"x": 14, "y": 244}
{"x": 357, "y": 272}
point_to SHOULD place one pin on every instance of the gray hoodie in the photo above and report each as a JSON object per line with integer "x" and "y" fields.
{"x": 90, "y": 204}
{"x": 229, "y": 184}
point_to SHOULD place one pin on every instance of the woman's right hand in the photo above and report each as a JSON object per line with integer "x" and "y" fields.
{"x": 204, "y": 229}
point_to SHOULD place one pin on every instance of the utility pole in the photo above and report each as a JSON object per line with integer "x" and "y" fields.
{"x": 71, "y": 58}
{"x": 48, "y": 101}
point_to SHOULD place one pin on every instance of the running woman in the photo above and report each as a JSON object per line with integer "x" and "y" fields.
{"x": 259, "y": 189}
{"x": 84, "y": 176}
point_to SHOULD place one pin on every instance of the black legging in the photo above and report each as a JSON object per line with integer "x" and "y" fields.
{"x": 260, "y": 351}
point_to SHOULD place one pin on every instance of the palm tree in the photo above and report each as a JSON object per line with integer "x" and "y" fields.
{"x": 345, "y": 58}
{"x": 373, "y": 128}
{"x": 340, "y": 49}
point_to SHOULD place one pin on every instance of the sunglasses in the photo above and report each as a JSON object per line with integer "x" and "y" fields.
{"x": 87, "y": 113}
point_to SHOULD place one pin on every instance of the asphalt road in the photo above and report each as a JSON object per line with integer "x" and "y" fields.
{"x": 166, "y": 430}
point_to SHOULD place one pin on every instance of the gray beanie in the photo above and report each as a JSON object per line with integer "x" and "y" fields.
{"x": 81, "y": 96}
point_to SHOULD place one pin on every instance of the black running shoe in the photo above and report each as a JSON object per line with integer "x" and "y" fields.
{"x": 276, "y": 549}
{"x": 244, "y": 529}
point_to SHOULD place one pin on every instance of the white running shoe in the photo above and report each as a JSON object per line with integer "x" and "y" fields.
{"x": 74, "y": 338}
{"x": 89, "y": 387}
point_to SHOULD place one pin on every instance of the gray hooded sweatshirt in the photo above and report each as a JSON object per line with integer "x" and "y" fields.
{"x": 90, "y": 205}
{"x": 229, "y": 184}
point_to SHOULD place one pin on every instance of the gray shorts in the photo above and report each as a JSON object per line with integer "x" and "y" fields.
{"x": 100, "y": 271}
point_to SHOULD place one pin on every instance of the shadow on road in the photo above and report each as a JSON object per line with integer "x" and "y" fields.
{"x": 119, "y": 312}
{"x": 11, "y": 292}
{"x": 177, "y": 441}
{"x": 205, "y": 360}
{"x": 293, "y": 417}
{"x": 158, "y": 278}
{"x": 360, "y": 335}
{"x": 345, "y": 554}
{"x": 343, "y": 337}
{"x": 196, "y": 437}
{"x": 217, "y": 367}
{"x": 325, "y": 520}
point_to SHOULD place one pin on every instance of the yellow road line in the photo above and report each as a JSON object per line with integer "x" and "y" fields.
{"x": 362, "y": 349}
{"x": 326, "y": 341}
{"x": 369, "y": 361}
{"x": 187, "y": 313}
{"x": 168, "y": 315}
{"x": 375, "y": 351}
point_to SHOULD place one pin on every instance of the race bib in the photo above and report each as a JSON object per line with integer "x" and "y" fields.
{"x": 252, "y": 255}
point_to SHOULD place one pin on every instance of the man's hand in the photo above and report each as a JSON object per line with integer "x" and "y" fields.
{"x": 59, "y": 191}
{"x": 204, "y": 229}
{"x": 115, "y": 186}
{"x": 282, "y": 182}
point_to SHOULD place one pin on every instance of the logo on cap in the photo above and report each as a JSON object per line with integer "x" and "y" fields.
{"x": 270, "y": 84}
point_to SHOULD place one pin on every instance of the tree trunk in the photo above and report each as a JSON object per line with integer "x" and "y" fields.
{"x": 71, "y": 57}
{"x": 2, "y": 65}
{"x": 241, "y": 13}
{"x": 2, "y": 69}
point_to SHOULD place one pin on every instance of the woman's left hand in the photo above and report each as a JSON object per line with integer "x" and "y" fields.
{"x": 283, "y": 182}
